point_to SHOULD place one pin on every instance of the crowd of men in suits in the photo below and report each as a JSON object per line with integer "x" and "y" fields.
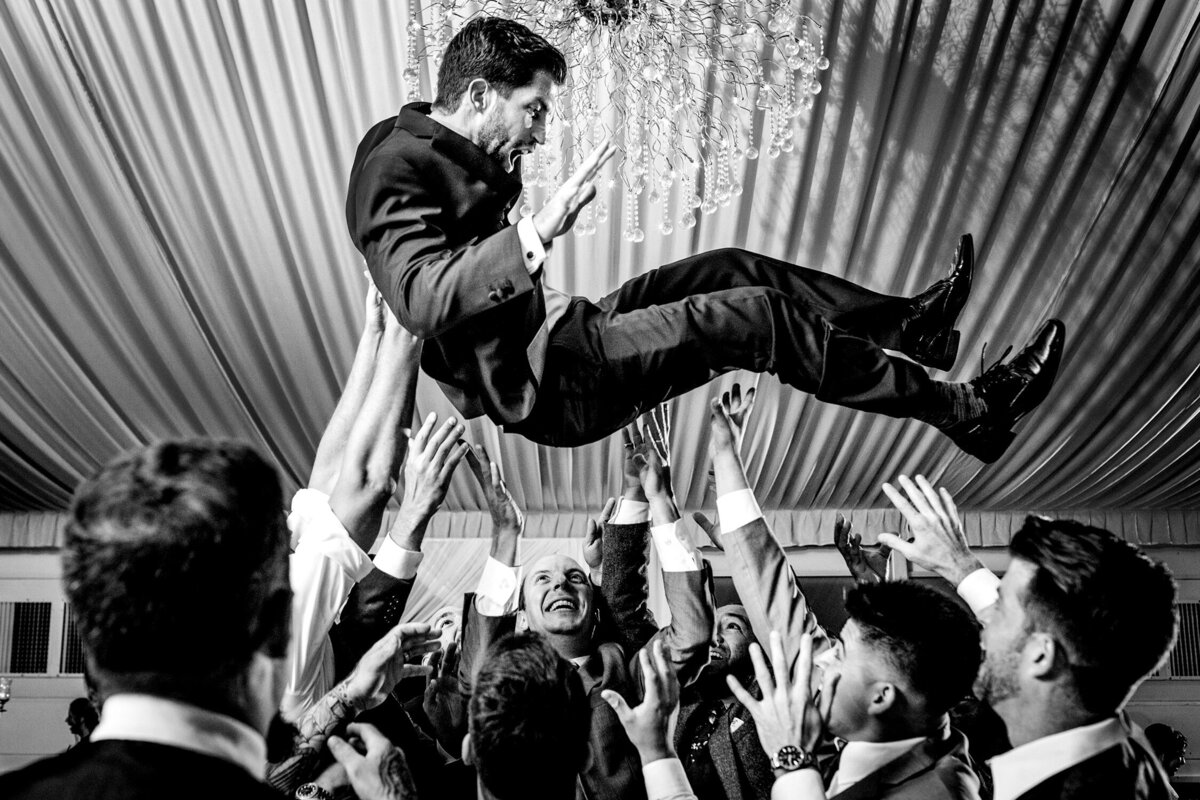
{"x": 234, "y": 651}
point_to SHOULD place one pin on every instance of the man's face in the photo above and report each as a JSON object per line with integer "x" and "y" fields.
{"x": 516, "y": 124}
{"x": 1005, "y": 632}
{"x": 730, "y": 648}
{"x": 861, "y": 668}
{"x": 558, "y": 596}
{"x": 73, "y": 724}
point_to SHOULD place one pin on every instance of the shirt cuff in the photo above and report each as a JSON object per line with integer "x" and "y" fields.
{"x": 980, "y": 589}
{"x": 798, "y": 785}
{"x": 665, "y": 778}
{"x": 673, "y": 554}
{"x": 737, "y": 509}
{"x": 317, "y": 531}
{"x": 497, "y": 591}
{"x": 532, "y": 249}
{"x": 397, "y": 561}
{"x": 630, "y": 512}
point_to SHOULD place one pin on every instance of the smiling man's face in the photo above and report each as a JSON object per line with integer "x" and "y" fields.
{"x": 729, "y": 651}
{"x": 558, "y": 596}
{"x": 516, "y": 124}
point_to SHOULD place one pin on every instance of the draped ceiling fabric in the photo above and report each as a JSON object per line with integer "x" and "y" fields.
{"x": 175, "y": 261}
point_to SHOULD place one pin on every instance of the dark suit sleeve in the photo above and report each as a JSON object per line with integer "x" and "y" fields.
{"x": 479, "y": 633}
{"x": 432, "y": 285}
{"x": 372, "y": 609}
{"x": 769, "y": 588}
{"x": 624, "y": 590}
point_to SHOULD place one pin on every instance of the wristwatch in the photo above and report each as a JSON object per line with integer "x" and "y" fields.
{"x": 310, "y": 791}
{"x": 791, "y": 758}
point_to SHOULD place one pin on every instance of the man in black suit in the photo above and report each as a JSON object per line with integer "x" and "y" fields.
{"x": 1078, "y": 621}
{"x": 175, "y": 563}
{"x": 431, "y": 198}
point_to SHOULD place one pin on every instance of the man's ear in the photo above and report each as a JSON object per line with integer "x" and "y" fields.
{"x": 477, "y": 94}
{"x": 1042, "y": 656}
{"x": 522, "y": 622}
{"x": 883, "y": 697}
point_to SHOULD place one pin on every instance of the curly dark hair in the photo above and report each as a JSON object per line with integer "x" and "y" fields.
{"x": 504, "y": 53}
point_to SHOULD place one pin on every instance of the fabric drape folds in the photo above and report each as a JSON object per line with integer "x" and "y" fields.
{"x": 174, "y": 259}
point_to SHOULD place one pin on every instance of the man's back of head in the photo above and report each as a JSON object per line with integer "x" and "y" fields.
{"x": 175, "y": 565}
{"x": 924, "y": 641}
{"x": 528, "y": 721}
{"x": 1108, "y": 605}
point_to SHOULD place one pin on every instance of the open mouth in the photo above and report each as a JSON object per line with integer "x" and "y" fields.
{"x": 563, "y": 604}
{"x": 717, "y": 653}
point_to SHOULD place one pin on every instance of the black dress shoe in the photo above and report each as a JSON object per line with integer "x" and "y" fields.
{"x": 1011, "y": 391}
{"x": 927, "y": 335}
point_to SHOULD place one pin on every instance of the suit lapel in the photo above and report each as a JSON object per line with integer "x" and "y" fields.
{"x": 919, "y": 759}
{"x": 720, "y": 748}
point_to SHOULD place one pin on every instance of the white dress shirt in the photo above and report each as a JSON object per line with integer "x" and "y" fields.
{"x": 535, "y": 253}
{"x": 145, "y": 718}
{"x": 666, "y": 780}
{"x": 324, "y": 568}
{"x": 1024, "y": 767}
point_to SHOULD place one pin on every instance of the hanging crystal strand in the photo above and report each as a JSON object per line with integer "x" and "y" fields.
{"x": 724, "y": 193}
{"x": 710, "y": 202}
{"x": 412, "y": 67}
{"x": 791, "y": 110}
{"x": 687, "y": 190}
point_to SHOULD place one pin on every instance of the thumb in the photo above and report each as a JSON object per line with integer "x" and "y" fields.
{"x": 618, "y": 704}
{"x": 902, "y": 547}
{"x": 346, "y": 755}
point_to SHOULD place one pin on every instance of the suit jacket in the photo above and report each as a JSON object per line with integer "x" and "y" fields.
{"x": 615, "y": 772}
{"x": 736, "y": 753}
{"x": 372, "y": 609}
{"x": 1125, "y": 770}
{"x": 938, "y": 768}
{"x": 125, "y": 770}
{"x": 769, "y": 588}
{"x": 428, "y": 209}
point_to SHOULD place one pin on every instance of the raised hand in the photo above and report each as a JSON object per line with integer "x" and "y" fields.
{"x": 867, "y": 563}
{"x": 788, "y": 714}
{"x": 724, "y": 438}
{"x": 376, "y": 314}
{"x": 383, "y": 665}
{"x": 560, "y": 211}
{"x": 939, "y": 543}
{"x": 379, "y": 774}
{"x": 504, "y": 510}
{"x": 652, "y": 452}
{"x": 433, "y": 455}
{"x": 648, "y": 725}
{"x": 593, "y": 544}
{"x": 737, "y": 408}
{"x": 443, "y": 702}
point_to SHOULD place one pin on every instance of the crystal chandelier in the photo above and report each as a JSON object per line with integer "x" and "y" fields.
{"x": 688, "y": 90}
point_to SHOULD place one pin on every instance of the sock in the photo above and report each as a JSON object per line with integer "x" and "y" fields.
{"x": 959, "y": 403}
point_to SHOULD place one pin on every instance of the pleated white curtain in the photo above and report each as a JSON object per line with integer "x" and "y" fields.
{"x": 174, "y": 261}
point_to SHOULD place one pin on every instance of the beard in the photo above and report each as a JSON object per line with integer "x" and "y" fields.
{"x": 997, "y": 679}
{"x": 493, "y": 138}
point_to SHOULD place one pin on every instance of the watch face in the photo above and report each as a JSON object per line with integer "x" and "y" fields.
{"x": 790, "y": 758}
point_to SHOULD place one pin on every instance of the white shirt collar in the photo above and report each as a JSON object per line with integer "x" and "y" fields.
{"x": 860, "y": 759}
{"x": 1024, "y": 767}
{"x": 145, "y": 718}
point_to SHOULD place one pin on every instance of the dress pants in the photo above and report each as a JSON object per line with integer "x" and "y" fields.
{"x": 676, "y": 328}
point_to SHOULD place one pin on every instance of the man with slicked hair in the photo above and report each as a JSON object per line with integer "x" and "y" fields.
{"x": 1078, "y": 621}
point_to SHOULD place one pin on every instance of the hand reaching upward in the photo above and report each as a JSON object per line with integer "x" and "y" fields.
{"x": 560, "y": 211}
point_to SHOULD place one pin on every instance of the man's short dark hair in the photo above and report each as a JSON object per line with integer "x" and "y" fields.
{"x": 175, "y": 565}
{"x": 529, "y": 720}
{"x": 504, "y": 53}
{"x": 1110, "y": 606}
{"x": 927, "y": 636}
